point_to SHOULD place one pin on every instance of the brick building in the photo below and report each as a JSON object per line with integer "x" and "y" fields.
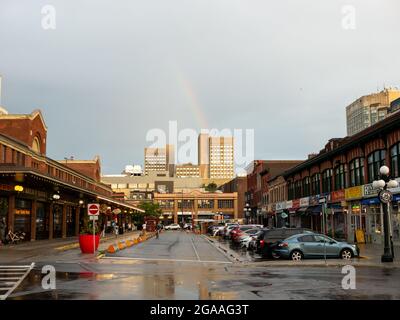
{"x": 342, "y": 173}
{"x": 42, "y": 197}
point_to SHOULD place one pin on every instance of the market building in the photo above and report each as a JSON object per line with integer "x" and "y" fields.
{"x": 194, "y": 205}
{"x": 42, "y": 197}
{"x": 338, "y": 182}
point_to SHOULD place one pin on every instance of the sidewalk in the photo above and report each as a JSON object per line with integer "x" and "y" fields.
{"x": 56, "y": 250}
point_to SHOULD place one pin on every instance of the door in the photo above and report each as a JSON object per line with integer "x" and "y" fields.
{"x": 42, "y": 221}
{"x": 57, "y": 221}
{"x": 308, "y": 245}
{"x": 71, "y": 219}
{"x": 328, "y": 246}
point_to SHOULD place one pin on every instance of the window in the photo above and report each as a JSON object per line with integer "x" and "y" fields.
{"x": 290, "y": 190}
{"x": 376, "y": 160}
{"x": 395, "y": 160}
{"x": 315, "y": 184}
{"x": 308, "y": 238}
{"x": 3, "y": 154}
{"x": 36, "y": 145}
{"x": 327, "y": 181}
{"x": 297, "y": 189}
{"x": 306, "y": 186}
{"x": 340, "y": 180}
{"x": 357, "y": 172}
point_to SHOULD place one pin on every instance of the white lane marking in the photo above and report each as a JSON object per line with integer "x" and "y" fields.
{"x": 195, "y": 250}
{"x": 11, "y": 286}
{"x": 169, "y": 260}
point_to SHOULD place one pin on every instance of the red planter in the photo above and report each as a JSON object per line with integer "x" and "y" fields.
{"x": 86, "y": 242}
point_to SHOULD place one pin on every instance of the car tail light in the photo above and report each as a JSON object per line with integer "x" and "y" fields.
{"x": 283, "y": 245}
{"x": 261, "y": 243}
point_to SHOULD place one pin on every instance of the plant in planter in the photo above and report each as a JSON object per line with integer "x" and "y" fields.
{"x": 87, "y": 238}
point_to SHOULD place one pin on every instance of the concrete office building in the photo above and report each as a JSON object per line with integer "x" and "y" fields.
{"x": 369, "y": 109}
{"x": 216, "y": 157}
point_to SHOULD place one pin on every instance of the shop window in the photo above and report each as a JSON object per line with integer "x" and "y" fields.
{"x": 357, "y": 172}
{"x": 376, "y": 160}
{"x": 395, "y": 160}
{"x": 22, "y": 217}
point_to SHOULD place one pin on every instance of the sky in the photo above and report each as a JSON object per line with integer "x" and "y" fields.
{"x": 111, "y": 71}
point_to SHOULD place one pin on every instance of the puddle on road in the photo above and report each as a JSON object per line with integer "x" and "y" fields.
{"x": 89, "y": 285}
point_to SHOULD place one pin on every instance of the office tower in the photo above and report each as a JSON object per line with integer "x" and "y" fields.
{"x": 369, "y": 109}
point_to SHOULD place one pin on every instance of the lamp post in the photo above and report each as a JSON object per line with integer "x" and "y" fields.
{"x": 385, "y": 197}
{"x": 247, "y": 211}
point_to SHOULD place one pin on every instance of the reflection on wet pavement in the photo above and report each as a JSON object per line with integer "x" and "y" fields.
{"x": 136, "y": 279}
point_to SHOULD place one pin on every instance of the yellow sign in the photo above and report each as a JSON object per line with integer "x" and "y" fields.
{"x": 353, "y": 193}
{"x": 360, "y": 237}
{"x": 22, "y": 211}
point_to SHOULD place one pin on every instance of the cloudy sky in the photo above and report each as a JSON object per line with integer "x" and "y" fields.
{"x": 113, "y": 70}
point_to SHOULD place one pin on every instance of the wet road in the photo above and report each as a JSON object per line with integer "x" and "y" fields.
{"x": 177, "y": 266}
{"x": 175, "y": 246}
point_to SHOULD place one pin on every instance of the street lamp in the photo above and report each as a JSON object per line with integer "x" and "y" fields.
{"x": 385, "y": 197}
{"x": 247, "y": 211}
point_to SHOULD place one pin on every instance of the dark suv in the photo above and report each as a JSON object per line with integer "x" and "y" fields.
{"x": 268, "y": 238}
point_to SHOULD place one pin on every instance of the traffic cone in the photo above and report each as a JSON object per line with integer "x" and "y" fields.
{"x": 121, "y": 245}
{"x": 112, "y": 249}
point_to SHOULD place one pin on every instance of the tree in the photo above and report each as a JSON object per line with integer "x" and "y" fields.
{"x": 150, "y": 208}
{"x": 211, "y": 187}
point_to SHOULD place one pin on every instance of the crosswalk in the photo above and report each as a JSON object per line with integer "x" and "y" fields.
{"x": 11, "y": 276}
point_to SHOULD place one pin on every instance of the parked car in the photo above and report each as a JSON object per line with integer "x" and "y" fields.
{"x": 239, "y": 230}
{"x": 173, "y": 226}
{"x": 225, "y": 232}
{"x": 268, "y": 238}
{"x": 248, "y": 237}
{"x": 314, "y": 245}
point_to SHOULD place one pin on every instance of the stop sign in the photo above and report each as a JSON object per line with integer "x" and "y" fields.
{"x": 93, "y": 209}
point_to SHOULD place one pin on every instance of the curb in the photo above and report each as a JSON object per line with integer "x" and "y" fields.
{"x": 232, "y": 257}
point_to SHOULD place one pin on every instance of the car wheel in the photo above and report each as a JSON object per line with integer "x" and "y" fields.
{"x": 346, "y": 254}
{"x": 296, "y": 255}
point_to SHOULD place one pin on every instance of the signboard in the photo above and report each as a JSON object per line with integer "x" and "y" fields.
{"x": 369, "y": 191}
{"x": 284, "y": 215}
{"x": 314, "y": 200}
{"x": 93, "y": 217}
{"x": 280, "y": 205}
{"x": 337, "y": 196}
{"x": 296, "y": 203}
{"x": 353, "y": 193}
{"x": 304, "y": 202}
{"x": 289, "y": 204}
{"x": 93, "y": 209}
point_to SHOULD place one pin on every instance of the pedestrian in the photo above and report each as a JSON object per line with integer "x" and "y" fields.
{"x": 144, "y": 228}
{"x": 3, "y": 227}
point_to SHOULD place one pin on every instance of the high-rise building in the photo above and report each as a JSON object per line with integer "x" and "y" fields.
{"x": 369, "y": 109}
{"x": 170, "y": 153}
{"x": 187, "y": 170}
{"x": 155, "y": 159}
{"x": 203, "y": 155}
{"x": 221, "y": 157}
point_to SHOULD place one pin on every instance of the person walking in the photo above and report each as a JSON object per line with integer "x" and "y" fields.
{"x": 3, "y": 227}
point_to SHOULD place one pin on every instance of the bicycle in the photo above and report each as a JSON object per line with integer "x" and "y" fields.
{"x": 15, "y": 238}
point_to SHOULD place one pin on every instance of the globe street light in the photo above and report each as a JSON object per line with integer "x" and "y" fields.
{"x": 385, "y": 197}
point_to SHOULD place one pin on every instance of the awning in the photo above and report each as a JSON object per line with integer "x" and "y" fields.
{"x": 314, "y": 210}
{"x": 370, "y": 201}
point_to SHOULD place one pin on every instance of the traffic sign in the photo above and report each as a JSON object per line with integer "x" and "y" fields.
{"x": 93, "y": 209}
{"x": 385, "y": 196}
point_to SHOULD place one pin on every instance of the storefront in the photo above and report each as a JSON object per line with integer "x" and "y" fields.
{"x": 336, "y": 215}
{"x": 356, "y": 217}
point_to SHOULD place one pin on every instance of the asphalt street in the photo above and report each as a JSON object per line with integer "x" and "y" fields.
{"x": 187, "y": 266}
